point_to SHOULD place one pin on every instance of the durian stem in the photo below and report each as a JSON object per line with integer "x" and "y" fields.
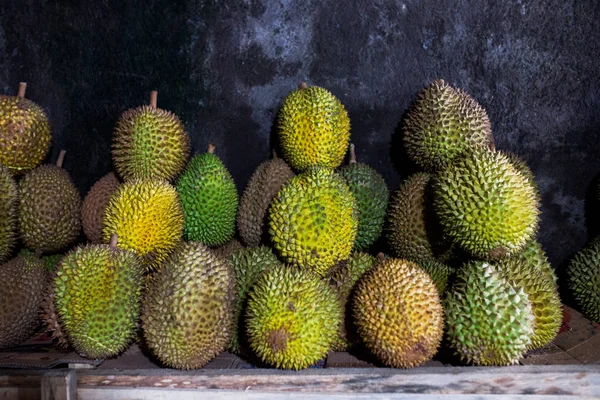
{"x": 61, "y": 158}
{"x": 114, "y": 239}
{"x": 153, "y": 98}
{"x": 380, "y": 256}
{"x": 274, "y": 153}
{"x": 38, "y": 253}
{"x": 352, "y": 154}
{"x": 22, "y": 89}
{"x": 302, "y": 85}
{"x": 211, "y": 148}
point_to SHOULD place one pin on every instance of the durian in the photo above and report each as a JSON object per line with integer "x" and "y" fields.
{"x": 225, "y": 251}
{"x": 314, "y": 128}
{"x": 94, "y": 205}
{"x": 445, "y": 123}
{"x": 148, "y": 218}
{"x": 187, "y": 316}
{"x": 313, "y": 220}
{"x": 150, "y": 143}
{"x": 371, "y": 193}
{"x": 398, "y": 313}
{"x": 439, "y": 273}
{"x": 292, "y": 317}
{"x": 583, "y": 279}
{"x": 24, "y": 133}
{"x": 8, "y": 213}
{"x": 210, "y": 200}
{"x": 268, "y": 178}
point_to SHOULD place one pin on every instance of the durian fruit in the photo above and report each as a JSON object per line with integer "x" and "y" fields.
{"x": 371, "y": 193}
{"x": 21, "y": 292}
{"x": 292, "y": 317}
{"x": 343, "y": 280}
{"x": 268, "y": 179}
{"x": 228, "y": 249}
{"x": 248, "y": 263}
{"x": 541, "y": 292}
{"x": 439, "y": 273}
{"x": 49, "y": 208}
{"x": 314, "y": 128}
{"x": 187, "y": 316}
{"x": 398, "y": 313}
{"x": 210, "y": 200}
{"x": 94, "y": 205}
{"x": 50, "y": 261}
{"x": 534, "y": 254}
{"x": 97, "y": 294}
{"x": 8, "y": 213}
{"x": 445, "y": 123}
{"x": 150, "y": 143}
{"x": 313, "y": 220}
{"x": 24, "y": 133}
{"x": 583, "y": 279}
{"x": 521, "y": 166}
{"x": 488, "y": 320}
{"x": 148, "y": 218}
{"x": 50, "y": 318}
{"x": 409, "y": 219}
{"x": 485, "y": 205}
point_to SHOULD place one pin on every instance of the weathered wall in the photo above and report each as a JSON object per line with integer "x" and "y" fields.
{"x": 224, "y": 68}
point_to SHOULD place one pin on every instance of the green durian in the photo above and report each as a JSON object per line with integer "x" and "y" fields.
{"x": 583, "y": 279}
{"x": 439, "y": 273}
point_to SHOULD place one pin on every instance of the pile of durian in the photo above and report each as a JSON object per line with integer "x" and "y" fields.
{"x": 162, "y": 265}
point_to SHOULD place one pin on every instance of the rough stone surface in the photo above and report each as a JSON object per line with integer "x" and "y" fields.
{"x": 225, "y": 67}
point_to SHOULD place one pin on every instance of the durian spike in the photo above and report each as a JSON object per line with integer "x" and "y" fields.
{"x": 211, "y": 148}
{"x": 302, "y": 85}
{"x": 22, "y": 89}
{"x": 114, "y": 239}
{"x": 61, "y": 158}
{"x": 153, "y": 98}
{"x": 352, "y": 155}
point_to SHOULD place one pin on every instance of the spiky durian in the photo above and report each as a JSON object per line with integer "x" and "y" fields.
{"x": 21, "y": 290}
{"x": 439, "y": 273}
{"x": 94, "y": 205}
{"x": 148, "y": 218}
{"x": 314, "y": 128}
{"x": 521, "y": 166}
{"x": 445, "y": 123}
{"x": 485, "y": 205}
{"x": 24, "y": 133}
{"x": 8, "y": 213}
{"x": 150, "y": 143}
{"x": 49, "y": 208}
{"x": 187, "y": 316}
{"x": 97, "y": 295}
{"x": 371, "y": 193}
{"x": 292, "y": 317}
{"x": 313, "y": 220}
{"x": 268, "y": 178}
{"x": 210, "y": 200}
{"x": 583, "y": 281}
{"x": 489, "y": 321}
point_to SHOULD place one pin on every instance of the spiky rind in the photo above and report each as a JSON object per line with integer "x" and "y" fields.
{"x": 541, "y": 292}
{"x": 521, "y": 166}
{"x": 489, "y": 322}
{"x": 148, "y": 218}
{"x": 210, "y": 200}
{"x": 314, "y": 129}
{"x": 228, "y": 249}
{"x": 8, "y": 213}
{"x": 292, "y": 317}
{"x": 187, "y": 316}
{"x": 266, "y": 181}
{"x": 534, "y": 254}
{"x": 50, "y": 318}
{"x": 94, "y": 205}
{"x": 445, "y": 123}
{"x": 398, "y": 313}
{"x": 485, "y": 205}
{"x": 439, "y": 273}
{"x": 21, "y": 290}
{"x": 371, "y": 193}
{"x": 24, "y": 134}
{"x": 313, "y": 220}
{"x": 150, "y": 143}
{"x": 97, "y": 295}
{"x": 248, "y": 263}
{"x": 49, "y": 209}
{"x": 343, "y": 280}
{"x": 583, "y": 281}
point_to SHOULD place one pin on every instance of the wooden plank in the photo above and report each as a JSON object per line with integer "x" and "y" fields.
{"x": 20, "y": 393}
{"x": 568, "y": 380}
{"x": 59, "y": 385}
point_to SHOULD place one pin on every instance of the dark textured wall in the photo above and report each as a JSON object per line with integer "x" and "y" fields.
{"x": 224, "y": 68}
